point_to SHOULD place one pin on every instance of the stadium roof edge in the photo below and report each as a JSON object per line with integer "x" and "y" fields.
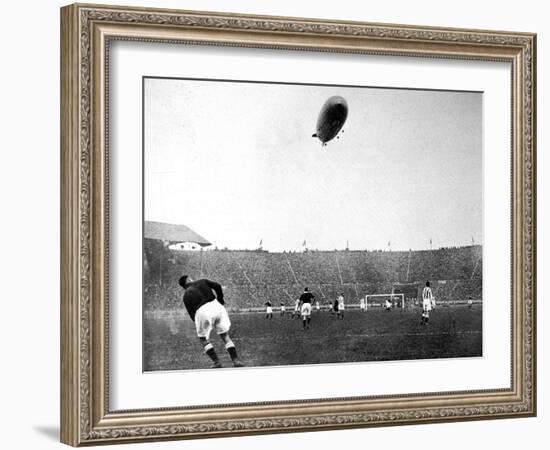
{"x": 172, "y": 232}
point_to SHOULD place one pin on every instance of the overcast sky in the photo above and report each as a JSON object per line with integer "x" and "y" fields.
{"x": 236, "y": 162}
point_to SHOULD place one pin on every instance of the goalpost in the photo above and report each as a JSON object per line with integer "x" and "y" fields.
{"x": 383, "y": 297}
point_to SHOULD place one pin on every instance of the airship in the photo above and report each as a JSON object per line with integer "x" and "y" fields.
{"x": 331, "y": 119}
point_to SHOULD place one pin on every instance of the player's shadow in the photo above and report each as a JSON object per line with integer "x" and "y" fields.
{"x": 51, "y": 432}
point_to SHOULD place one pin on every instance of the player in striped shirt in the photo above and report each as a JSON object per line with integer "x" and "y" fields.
{"x": 428, "y": 302}
{"x": 341, "y": 306}
{"x": 296, "y": 312}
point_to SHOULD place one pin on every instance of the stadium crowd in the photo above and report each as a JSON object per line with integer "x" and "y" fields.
{"x": 252, "y": 278}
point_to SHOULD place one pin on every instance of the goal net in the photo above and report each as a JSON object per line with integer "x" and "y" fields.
{"x": 396, "y": 300}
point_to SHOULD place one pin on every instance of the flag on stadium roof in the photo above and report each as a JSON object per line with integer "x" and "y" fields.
{"x": 172, "y": 233}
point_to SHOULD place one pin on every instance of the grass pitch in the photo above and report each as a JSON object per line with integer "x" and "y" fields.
{"x": 375, "y": 335}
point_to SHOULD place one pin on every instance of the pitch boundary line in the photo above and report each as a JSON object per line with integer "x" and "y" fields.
{"x": 370, "y": 335}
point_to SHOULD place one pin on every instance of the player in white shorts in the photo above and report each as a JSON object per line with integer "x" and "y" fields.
{"x": 296, "y": 312}
{"x": 341, "y": 306}
{"x": 212, "y": 316}
{"x": 362, "y": 303}
{"x": 428, "y": 303}
{"x": 283, "y": 309}
{"x": 268, "y": 310}
{"x": 204, "y": 302}
{"x": 305, "y": 300}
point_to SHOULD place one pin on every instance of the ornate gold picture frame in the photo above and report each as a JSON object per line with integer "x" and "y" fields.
{"x": 87, "y": 32}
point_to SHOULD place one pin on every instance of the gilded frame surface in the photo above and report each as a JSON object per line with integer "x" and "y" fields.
{"x": 86, "y": 31}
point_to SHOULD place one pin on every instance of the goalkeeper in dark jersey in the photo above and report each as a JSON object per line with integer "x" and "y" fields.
{"x": 204, "y": 302}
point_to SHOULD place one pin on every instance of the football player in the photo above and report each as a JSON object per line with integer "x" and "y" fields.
{"x": 204, "y": 302}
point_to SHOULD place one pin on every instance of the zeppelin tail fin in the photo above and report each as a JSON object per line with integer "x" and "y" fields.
{"x": 314, "y": 135}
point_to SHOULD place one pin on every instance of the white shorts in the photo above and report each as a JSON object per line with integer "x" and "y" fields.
{"x": 341, "y": 307}
{"x": 427, "y": 305}
{"x": 269, "y": 310}
{"x": 306, "y": 309}
{"x": 211, "y": 315}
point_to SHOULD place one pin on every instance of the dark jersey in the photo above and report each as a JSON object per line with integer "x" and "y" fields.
{"x": 306, "y": 297}
{"x": 267, "y": 303}
{"x": 198, "y": 293}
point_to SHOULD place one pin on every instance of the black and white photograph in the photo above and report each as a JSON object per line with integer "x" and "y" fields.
{"x": 295, "y": 224}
